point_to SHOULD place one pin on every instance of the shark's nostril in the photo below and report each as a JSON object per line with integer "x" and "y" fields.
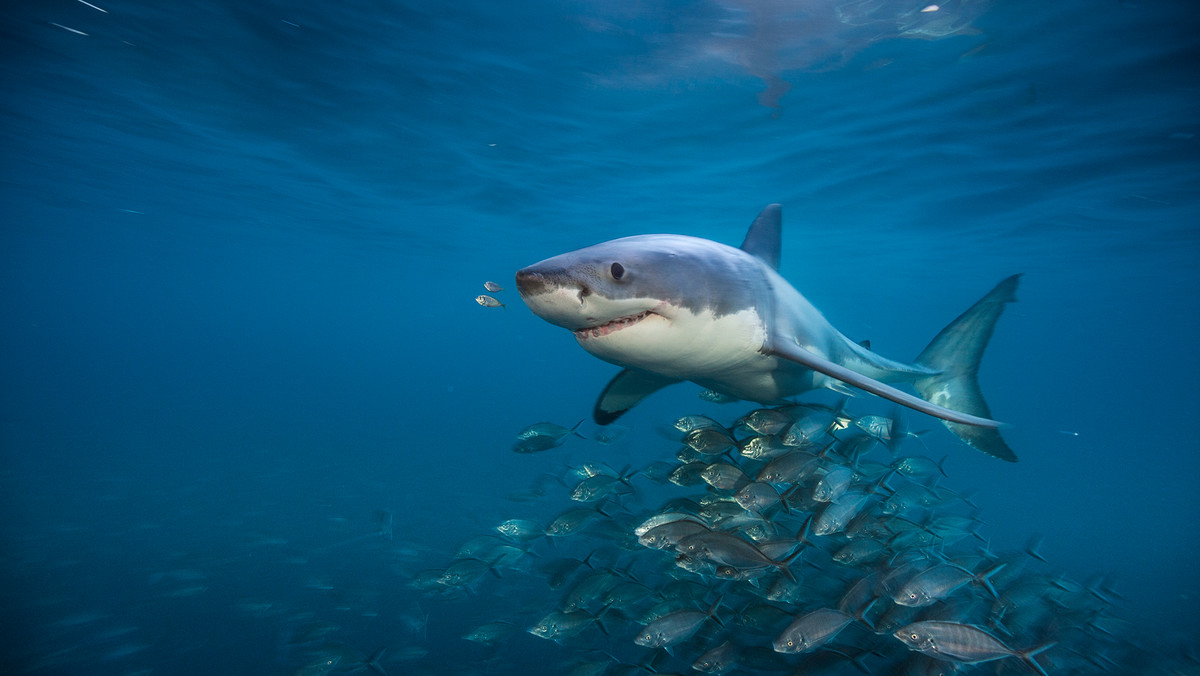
{"x": 584, "y": 292}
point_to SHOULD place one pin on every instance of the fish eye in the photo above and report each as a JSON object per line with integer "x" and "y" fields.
{"x": 915, "y": 637}
{"x": 617, "y": 270}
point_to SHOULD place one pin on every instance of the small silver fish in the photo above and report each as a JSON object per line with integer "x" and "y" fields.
{"x": 812, "y": 630}
{"x": 964, "y": 643}
{"x": 493, "y": 287}
{"x": 491, "y": 633}
{"x": 488, "y": 301}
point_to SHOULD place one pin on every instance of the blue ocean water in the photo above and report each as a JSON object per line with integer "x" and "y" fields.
{"x": 241, "y": 242}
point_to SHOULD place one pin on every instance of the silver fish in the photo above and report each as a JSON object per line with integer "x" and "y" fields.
{"x": 963, "y": 643}
{"x": 812, "y": 630}
{"x": 674, "y": 627}
{"x": 558, "y": 625}
{"x": 487, "y": 301}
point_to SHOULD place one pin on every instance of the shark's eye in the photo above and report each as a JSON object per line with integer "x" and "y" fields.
{"x": 617, "y": 270}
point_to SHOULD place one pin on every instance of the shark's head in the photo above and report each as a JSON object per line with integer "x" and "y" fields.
{"x": 649, "y": 300}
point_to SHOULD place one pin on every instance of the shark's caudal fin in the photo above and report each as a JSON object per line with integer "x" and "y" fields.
{"x": 955, "y": 353}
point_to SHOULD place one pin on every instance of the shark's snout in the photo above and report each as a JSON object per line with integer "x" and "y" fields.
{"x": 530, "y": 282}
{"x": 555, "y": 296}
{"x": 536, "y": 280}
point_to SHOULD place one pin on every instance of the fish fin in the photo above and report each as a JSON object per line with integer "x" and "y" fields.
{"x": 859, "y": 660}
{"x": 805, "y": 530}
{"x": 712, "y": 611}
{"x": 955, "y": 353}
{"x": 764, "y": 239}
{"x": 1027, "y": 656}
{"x": 575, "y": 430}
{"x": 372, "y": 662}
{"x": 985, "y": 579}
{"x": 785, "y": 565}
{"x": 785, "y": 348}
{"x": 861, "y": 614}
{"x": 941, "y": 463}
{"x": 1034, "y": 545}
{"x": 626, "y": 390}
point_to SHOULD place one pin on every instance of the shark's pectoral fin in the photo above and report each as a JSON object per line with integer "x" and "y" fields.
{"x": 625, "y": 391}
{"x": 785, "y": 348}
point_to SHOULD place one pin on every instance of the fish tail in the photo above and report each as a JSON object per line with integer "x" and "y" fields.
{"x": 985, "y": 579}
{"x": 942, "y": 465}
{"x": 599, "y": 622}
{"x": 627, "y": 472}
{"x": 372, "y": 662}
{"x": 712, "y": 611}
{"x": 493, "y": 569}
{"x": 1034, "y": 546}
{"x": 1027, "y": 656}
{"x": 575, "y": 430}
{"x": 861, "y": 613}
{"x": 956, "y": 353}
{"x": 786, "y": 497}
{"x": 805, "y": 532}
{"x": 782, "y": 503}
{"x": 785, "y": 565}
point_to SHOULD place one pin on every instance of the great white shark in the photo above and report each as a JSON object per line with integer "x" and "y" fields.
{"x": 669, "y": 308}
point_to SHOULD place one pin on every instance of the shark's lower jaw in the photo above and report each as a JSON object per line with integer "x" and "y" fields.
{"x": 589, "y": 332}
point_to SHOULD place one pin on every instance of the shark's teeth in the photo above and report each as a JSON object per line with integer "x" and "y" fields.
{"x": 614, "y": 325}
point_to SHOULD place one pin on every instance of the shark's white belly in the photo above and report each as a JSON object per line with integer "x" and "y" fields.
{"x": 719, "y": 352}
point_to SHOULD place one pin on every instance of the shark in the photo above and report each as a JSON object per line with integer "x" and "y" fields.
{"x": 672, "y": 308}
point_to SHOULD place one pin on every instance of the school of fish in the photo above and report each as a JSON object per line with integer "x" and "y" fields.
{"x": 798, "y": 539}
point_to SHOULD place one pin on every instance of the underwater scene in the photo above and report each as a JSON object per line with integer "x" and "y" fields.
{"x": 600, "y": 338}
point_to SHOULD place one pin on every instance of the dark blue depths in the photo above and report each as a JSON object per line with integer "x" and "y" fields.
{"x": 240, "y": 244}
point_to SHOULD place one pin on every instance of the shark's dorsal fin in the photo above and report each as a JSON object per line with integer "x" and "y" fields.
{"x": 764, "y": 239}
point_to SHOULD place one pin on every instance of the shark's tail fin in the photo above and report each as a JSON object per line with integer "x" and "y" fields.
{"x": 955, "y": 353}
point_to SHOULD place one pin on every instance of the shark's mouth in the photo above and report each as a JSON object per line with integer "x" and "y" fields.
{"x": 607, "y": 328}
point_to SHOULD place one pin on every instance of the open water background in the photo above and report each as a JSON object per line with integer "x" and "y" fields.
{"x": 240, "y": 241}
